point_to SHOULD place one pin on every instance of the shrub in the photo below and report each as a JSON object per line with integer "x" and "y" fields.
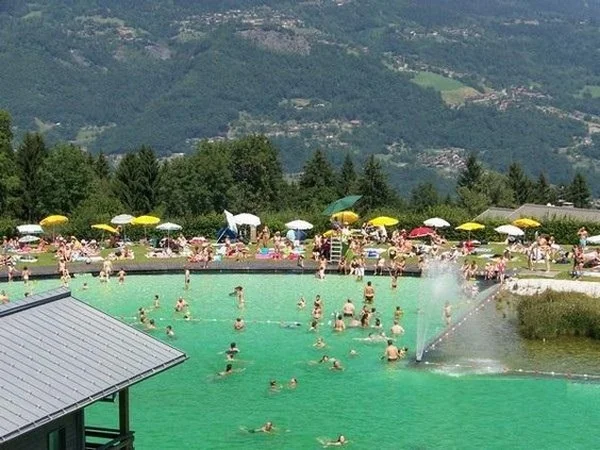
{"x": 552, "y": 314}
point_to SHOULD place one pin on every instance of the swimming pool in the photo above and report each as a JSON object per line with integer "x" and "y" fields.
{"x": 373, "y": 403}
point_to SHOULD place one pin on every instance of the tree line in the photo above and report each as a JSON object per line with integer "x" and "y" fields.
{"x": 242, "y": 175}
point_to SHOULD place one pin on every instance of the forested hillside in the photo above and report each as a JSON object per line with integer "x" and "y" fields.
{"x": 419, "y": 84}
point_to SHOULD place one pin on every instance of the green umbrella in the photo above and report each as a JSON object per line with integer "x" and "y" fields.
{"x": 341, "y": 204}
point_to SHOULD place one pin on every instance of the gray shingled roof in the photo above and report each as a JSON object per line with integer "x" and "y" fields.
{"x": 58, "y": 355}
{"x": 541, "y": 213}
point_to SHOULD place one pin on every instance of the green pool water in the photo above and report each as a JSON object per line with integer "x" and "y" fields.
{"x": 373, "y": 403}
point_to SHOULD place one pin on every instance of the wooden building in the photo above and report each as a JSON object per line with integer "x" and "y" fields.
{"x": 59, "y": 355}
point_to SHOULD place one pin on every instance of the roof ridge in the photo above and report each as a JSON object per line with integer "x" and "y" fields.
{"x": 33, "y": 301}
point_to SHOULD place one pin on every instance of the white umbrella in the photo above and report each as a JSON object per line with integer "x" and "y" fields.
{"x": 595, "y": 240}
{"x": 122, "y": 219}
{"x": 511, "y": 230}
{"x": 30, "y": 229}
{"x": 28, "y": 239}
{"x": 247, "y": 219}
{"x": 436, "y": 222}
{"x": 299, "y": 225}
{"x": 168, "y": 226}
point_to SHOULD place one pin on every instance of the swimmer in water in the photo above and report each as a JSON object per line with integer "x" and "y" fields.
{"x": 391, "y": 352}
{"x": 339, "y": 324}
{"x": 186, "y": 279}
{"x": 397, "y": 329}
{"x": 266, "y": 428}
{"x": 3, "y": 297}
{"x": 313, "y": 325}
{"x": 156, "y": 301}
{"x": 85, "y": 287}
{"x": 169, "y": 331}
{"x": 320, "y": 343}
{"x": 121, "y": 276}
{"x": 239, "y": 324}
{"x": 228, "y": 371}
{"x": 150, "y": 325}
{"x": 290, "y": 324}
{"x": 293, "y": 383}
{"x": 180, "y": 305}
{"x": 398, "y": 313}
{"x": 341, "y": 440}
{"x": 324, "y": 359}
{"x": 301, "y": 303}
{"x": 232, "y": 350}
{"x": 353, "y": 352}
{"x": 273, "y": 386}
{"x": 336, "y": 365}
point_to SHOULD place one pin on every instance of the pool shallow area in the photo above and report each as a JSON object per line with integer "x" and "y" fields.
{"x": 373, "y": 403}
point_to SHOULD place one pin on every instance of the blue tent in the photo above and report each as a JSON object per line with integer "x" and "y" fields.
{"x": 226, "y": 232}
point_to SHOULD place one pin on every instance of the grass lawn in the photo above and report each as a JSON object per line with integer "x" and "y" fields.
{"x": 519, "y": 261}
{"x": 453, "y": 91}
{"x": 437, "y": 82}
{"x": 593, "y": 90}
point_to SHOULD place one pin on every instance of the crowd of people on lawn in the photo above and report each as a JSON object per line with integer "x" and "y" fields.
{"x": 365, "y": 248}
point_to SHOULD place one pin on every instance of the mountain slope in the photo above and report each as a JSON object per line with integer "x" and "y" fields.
{"x": 420, "y": 84}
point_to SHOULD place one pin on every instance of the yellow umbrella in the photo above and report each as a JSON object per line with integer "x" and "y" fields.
{"x": 329, "y": 233}
{"x": 105, "y": 227}
{"x": 383, "y": 221}
{"x": 145, "y": 220}
{"x": 526, "y": 223}
{"x": 345, "y": 216}
{"x": 470, "y": 226}
{"x": 51, "y": 221}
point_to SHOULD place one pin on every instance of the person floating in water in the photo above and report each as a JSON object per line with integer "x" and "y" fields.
{"x": 341, "y": 440}
{"x": 228, "y": 371}
{"x": 290, "y": 324}
{"x": 320, "y": 343}
{"x": 336, "y": 365}
{"x": 266, "y": 428}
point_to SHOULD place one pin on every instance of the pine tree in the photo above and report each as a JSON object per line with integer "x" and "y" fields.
{"x": 127, "y": 184}
{"x": 423, "y": 196}
{"x": 374, "y": 187}
{"x": 150, "y": 178}
{"x": 101, "y": 167}
{"x": 317, "y": 183}
{"x": 30, "y": 158}
{"x": 543, "y": 192}
{"x": 578, "y": 192}
{"x": 519, "y": 183}
{"x": 347, "y": 177}
{"x": 472, "y": 174}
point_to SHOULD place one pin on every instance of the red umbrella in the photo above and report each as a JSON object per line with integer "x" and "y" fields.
{"x": 420, "y": 232}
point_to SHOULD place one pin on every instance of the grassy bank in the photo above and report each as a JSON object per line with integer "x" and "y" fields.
{"x": 553, "y": 314}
